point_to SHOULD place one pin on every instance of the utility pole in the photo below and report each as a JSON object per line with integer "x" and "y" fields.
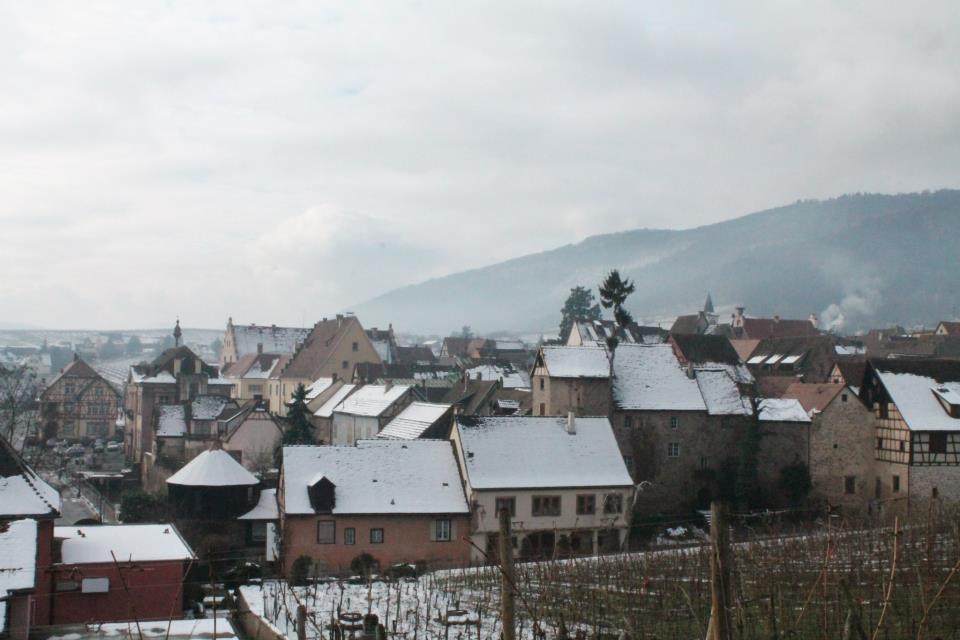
{"x": 507, "y": 582}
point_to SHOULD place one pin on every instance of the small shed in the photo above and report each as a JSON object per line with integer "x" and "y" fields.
{"x": 212, "y": 486}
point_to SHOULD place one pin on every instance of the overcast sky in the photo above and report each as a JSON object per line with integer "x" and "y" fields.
{"x": 279, "y": 162}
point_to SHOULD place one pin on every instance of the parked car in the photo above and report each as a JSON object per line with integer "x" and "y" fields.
{"x": 113, "y": 446}
{"x": 98, "y": 447}
{"x": 76, "y": 450}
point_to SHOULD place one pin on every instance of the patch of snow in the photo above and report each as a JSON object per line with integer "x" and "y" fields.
{"x": 414, "y": 420}
{"x": 781, "y": 410}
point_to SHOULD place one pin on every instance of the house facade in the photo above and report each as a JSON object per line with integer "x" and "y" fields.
{"x": 80, "y": 403}
{"x": 916, "y": 407}
{"x": 333, "y": 347}
{"x": 573, "y": 497}
{"x": 366, "y": 411}
{"x": 574, "y": 379}
{"x": 398, "y": 501}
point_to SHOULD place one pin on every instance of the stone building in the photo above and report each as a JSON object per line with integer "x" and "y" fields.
{"x": 573, "y": 379}
{"x": 243, "y": 340}
{"x": 80, "y": 403}
{"x": 842, "y": 444}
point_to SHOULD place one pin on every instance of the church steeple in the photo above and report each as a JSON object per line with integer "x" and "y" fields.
{"x": 708, "y": 305}
{"x": 177, "y": 333}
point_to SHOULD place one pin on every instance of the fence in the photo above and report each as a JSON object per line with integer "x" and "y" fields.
{"x": 108, "y": 512}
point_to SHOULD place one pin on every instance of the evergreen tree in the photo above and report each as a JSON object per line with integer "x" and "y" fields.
{"x": 134, "y": 346}
{"x": 299, "y": 430}
{"x": 614, "y": 291}
{"x": 217, "y": 347}
{"x": 580, "y": 305}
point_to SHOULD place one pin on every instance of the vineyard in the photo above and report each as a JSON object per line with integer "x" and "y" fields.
{"x": 833, "y": 582}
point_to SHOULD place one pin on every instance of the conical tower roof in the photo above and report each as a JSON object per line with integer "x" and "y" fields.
{"x": 213, "y": 468}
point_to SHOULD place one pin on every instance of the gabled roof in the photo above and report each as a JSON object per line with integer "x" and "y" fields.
{"x": 575, "y": 362}
{"x": 99, "y": 544}
{"x": 213, "y": 468}
{"x": 326, "y": 409}
{"x": 22, "y": 491}
{"x": 813, "y": 397}
{"x": 414, "y": 420}
{"x": 318, "y": 386}
{"x": 383, "y": 477}
{"x": 776, "y": 328}
{"x": 650, "y": 378}
{"x": 509, "y": 452}
{"x": 852, "y": 371}
{"x": 76, "y": 368}
{"x": 254, "y": 366}
{"x": 273, "y": 339}
{"x": 917, "y": 387}
{"x": 721, "y": 393}
{"x": 319, "y": 347}
{"x": 596, "y": 333}
{"x": 415, "y": 355}
{"x": 471, "y": 395}
{"x": 950, "y": 328}
{"x": 372, "y": 399}
{"x": 171, "y": 421}
{"x": 705, "y": 348}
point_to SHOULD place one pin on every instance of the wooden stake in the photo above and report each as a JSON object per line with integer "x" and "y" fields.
{"x": 720, "y": 567}
{"x": 507, "y": 584}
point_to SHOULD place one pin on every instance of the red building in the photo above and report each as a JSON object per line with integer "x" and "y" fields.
{"x": 111, "y": 573}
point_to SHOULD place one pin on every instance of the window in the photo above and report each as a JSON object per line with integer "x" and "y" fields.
{"x": 850, "y": 485}
{"x": 703, "y": 462}
{"x": 546, "y": 505}
{"x": 376, "y": 536}
{"x": 877, "y": 489}
{"x": 673, "y": 450}
{"x": 613, "y": 503}
{"x": 256, "y": 388}
{"x": 326, "y": 532}
{"x": 938, "y": 442}
{"x": 896, "y": 484}
{"x": 843, "y": 397}
{"x": 349, "y": 536}
{"x": 543, "y": 409}
{"x": 586, "y": 505}
{"x": 442, "y": 530}
{"x": 902, "y": 445}
{"x": 541, "y": 384}
{"x": 674, "y": 422}
{"x": 68, "y": 388}
{"x": 628, "y": 461}
{"x": 69, "y": 428}
{"x": 884, "y": 411}
{"x": 356, "y": 346}
{"x": 344, "y": 364}
{"x": 628, "y": 421}
{"x": 879, "y": 443}
{"x": 510, "y": 504}
{"x": 258, "y": 532}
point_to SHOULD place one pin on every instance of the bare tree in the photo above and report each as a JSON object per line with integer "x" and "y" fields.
{"x": 19, "y": 389}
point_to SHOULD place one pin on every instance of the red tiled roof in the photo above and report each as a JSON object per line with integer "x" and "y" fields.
{"x": 318, "y": 347}
{"x": 952, "y": 328}
{"x": 772, "y": 328}
{"x": 813, "y": 396}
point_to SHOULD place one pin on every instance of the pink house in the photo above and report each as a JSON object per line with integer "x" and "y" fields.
{"x": 398, "y": 501}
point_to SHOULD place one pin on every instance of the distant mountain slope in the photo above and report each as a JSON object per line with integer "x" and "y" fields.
{"x": 858, "y": 260}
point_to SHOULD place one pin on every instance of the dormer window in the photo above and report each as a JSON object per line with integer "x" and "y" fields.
{"x": 322, "y": 493}
{"x": 949, "y": 399}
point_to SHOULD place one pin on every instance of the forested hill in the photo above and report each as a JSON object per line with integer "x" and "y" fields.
{"x": 858, "y": 260}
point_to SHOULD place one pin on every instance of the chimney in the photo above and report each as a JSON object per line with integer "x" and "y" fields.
{"x": 776, "y": 319}
{"x": 387, "y": 385}
{"x": 259, "y": 347}
{"x": 339, "y": 320}
{"x": 333, "y": 377}
{"x": 813, "y": 320}
{"x": 690, "y": 372}
{"x": 571, "y": 423}
{"x": 738, "y": 316}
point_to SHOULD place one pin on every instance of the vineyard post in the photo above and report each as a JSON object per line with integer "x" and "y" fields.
{"x": 506, "y": 577}
{"x": 720, "y": 566}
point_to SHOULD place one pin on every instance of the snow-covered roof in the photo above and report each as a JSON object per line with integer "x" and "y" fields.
{"x": 576, "y": 362}
{"x": 18, "y": 553}
{"x": 511, "y": 379}
{"x": 377, "y": 477}
{"x": 326, "y": 409}
{"x": 648, "y": 377}
{"x": 916, "y": 400}
{"x": 414, "y": 420}
{"x": 721, "y": 394}
{"x": 781, "y": 410}
{"x": 372, "y": 399}
{"x": 266, "y": 508}
{"x": 213, "y": 468}
{"x": 273, "y": 339}
{"x": 207, "y": 407}
{"x": 317, "y": 387}
{"x": 511, "y": 452}
{"x": 166, "y": 629}
{"x": 258, "y": 372}
{"x": 22, "y": 491}
{"x": 128, "y": 542}
{"x": 172, "y": 422}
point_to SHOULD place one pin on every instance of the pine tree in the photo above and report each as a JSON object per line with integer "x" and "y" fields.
{"x": 299, "y": 430}
{"x": 580, "y": 305}
{"x": 614, "y": 291}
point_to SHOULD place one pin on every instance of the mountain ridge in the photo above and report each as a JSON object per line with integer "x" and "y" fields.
{"x": 859, "y": 257}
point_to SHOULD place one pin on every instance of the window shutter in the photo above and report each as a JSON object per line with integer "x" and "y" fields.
{"x": 433, "y": 531}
